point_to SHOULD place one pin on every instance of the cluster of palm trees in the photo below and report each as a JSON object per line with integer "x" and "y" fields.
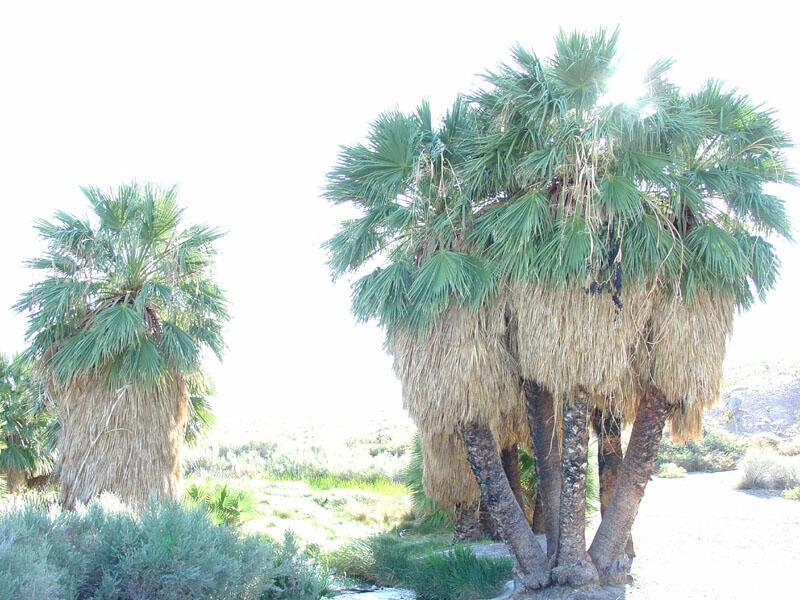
{"x": 542, "y": 259}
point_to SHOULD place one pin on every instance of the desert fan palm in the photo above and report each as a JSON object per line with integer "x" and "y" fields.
{"x": 117, "y": 321}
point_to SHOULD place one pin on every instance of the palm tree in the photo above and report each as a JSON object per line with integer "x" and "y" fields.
{"x": 614, "y": 237}
{"x": 27, "y": 429}
{"x": 628, "y": 234}
{"x": 117, "y": 323}
{"x": 447, "y": 337}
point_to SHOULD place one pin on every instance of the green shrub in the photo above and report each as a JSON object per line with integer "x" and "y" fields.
{"x": 169, "y": 552}
{"x": 671, "y": 471}
{"x": 714, "y": 451}
{"x": 222, "y": 505}
{"x": 769, "y": 471}
{"x": 792, "y": 494}
{"x": 431, "y": 569}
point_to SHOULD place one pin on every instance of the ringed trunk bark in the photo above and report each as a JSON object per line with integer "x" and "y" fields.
{"x": 547, "y": 459}
{"x": 573, "y": 565}
{"x": 467, "y": 524}
{"x": 608, "y": 547}
{"x": 607, "y": 428}
{"x": 531, "y": 570}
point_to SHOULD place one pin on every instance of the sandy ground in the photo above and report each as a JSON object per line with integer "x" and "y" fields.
{"x": 698, "y": 538}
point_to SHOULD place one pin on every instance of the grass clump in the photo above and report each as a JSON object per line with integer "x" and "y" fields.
{"x": 769, "y": 471}
{"x": 429, "y": 566}
{"x": 169, "y": 552}
{"x": 671, "y": 471}
{"x": 714, "y": 451}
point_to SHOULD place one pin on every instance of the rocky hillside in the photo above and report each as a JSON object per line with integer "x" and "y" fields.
{"x": 760, "y": 398}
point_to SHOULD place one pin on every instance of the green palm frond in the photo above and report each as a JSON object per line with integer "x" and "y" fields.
{"x": 128, "y": 296}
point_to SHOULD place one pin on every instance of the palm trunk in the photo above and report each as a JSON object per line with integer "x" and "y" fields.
{"x": 608, "y": 547}
{"x": 573, "y": 565}
{"x": 487, "y": 523}
{"x": 547, "y": 459}
{"x": 531, "y": 569}
{"x": 538, "y": 524}
{"x": 609, "y": 459}
{"x": 467, "y": 525}
{"x": 510, "y": 459}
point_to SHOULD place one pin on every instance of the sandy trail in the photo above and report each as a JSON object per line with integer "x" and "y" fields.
{"x": 697, "y": 537}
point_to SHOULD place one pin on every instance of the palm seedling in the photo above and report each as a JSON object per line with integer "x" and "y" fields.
{"x": 117, "y": 321}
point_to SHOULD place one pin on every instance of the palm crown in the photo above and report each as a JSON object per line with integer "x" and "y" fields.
{"x": 537, "y": 177}
{"x": 129, "y": 298}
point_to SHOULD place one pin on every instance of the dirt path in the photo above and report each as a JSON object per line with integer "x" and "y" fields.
{"x": 699, "y": 538}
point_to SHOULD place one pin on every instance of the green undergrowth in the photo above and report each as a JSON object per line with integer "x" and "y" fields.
{"x": 169, "y": 552}
{"x": 714, "y": 451}
{"x": 429, "y": 565}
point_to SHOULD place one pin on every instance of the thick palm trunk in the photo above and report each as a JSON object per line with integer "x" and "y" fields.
{"x": 531, "y": 569}
{"x": 609, "y": 459}
{"x": 538, "y": 524}
{"x": 573, "y": 565}
{"x": 608, "y": 547}
{"x": 547, "y": 459}
{"x": 467, "y": 524}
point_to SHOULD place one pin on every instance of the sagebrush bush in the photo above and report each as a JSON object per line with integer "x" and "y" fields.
{"x": 714, "y": 451}
{"x": 769, "y": 471}
{"x": 168, "y": 552}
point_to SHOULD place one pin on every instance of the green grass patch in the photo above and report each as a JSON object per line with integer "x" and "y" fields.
{"x": 429, "y": 566}
{"x": 378, "y": 485}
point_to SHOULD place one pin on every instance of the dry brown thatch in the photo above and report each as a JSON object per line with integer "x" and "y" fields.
{"x": 687, "y": 349}
{"x": 460, "y": 371}
{"x": 446, "y": 474}
{"x": 569, "y": 337}
{"x": 125, "y": 442}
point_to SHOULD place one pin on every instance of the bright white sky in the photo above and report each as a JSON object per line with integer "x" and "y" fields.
{"x": 244, "y": 104}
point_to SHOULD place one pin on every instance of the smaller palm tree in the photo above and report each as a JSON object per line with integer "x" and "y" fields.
{"x": 27, "y": 429}
{"x": 117, "y": 321}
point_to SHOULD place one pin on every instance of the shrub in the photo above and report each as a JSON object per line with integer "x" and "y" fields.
{"x": 671, "y": 471}
{"x": 792, "y": 494}
{"x": 169, "y": 552}
{"x": 714, "y": 451}
{"x": 769, "y": 471}
{"x": 221, "y": 504}
{"x": 428, "y": 568}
